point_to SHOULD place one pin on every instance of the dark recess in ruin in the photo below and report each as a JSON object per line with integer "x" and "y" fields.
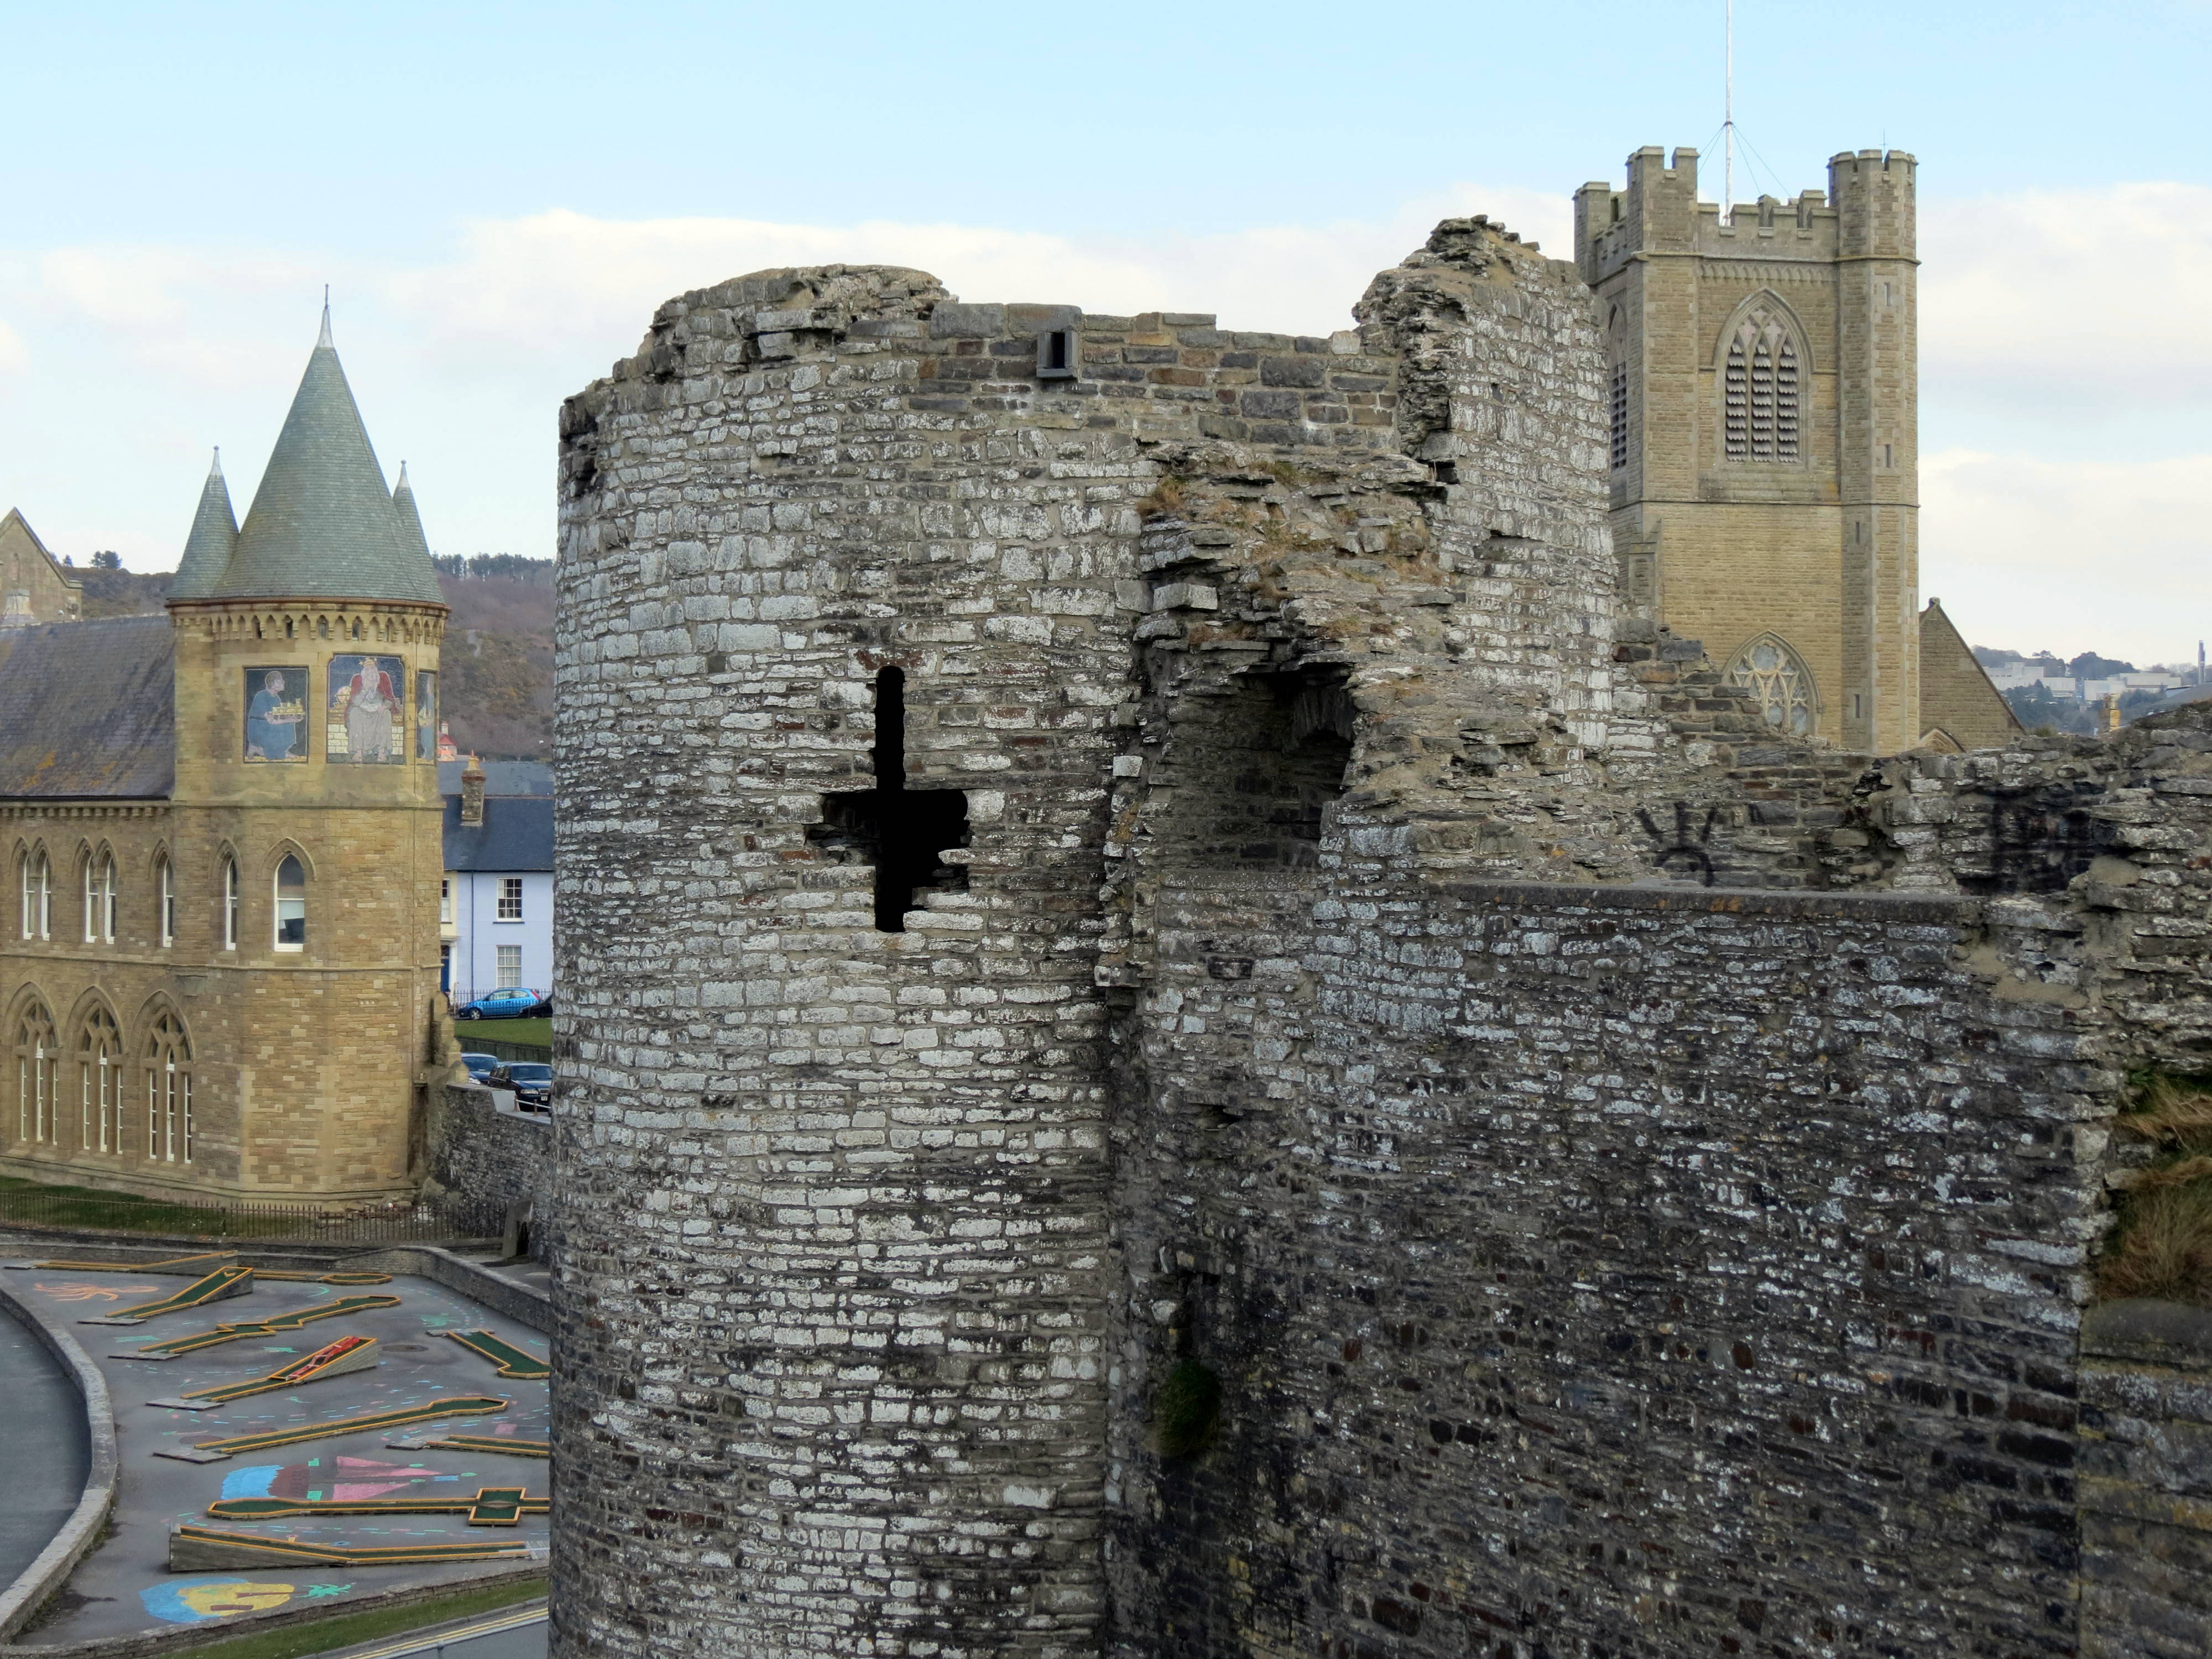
{"x": 1268, "y": 770}
{"x": 903, "y": 833}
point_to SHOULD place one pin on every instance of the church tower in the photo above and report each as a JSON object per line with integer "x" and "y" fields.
{"x": 306, "y": 807}
{"x": 1762, "y": 382}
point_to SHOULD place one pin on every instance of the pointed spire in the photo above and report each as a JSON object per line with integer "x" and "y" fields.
{"x": 323, "y": 340}
{"x": 410, "y": 520}
{"x": 322, "y": 525}
{"x": 213, "y": 538}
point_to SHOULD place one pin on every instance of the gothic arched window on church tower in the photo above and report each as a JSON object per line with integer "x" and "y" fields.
{"x": 100, "y": 898}
{"x": 1779, "y": 682}
{"x": 1759, "y": 392}
{"x": 1617, "y": 331}
{"x": 34, "y": 1073}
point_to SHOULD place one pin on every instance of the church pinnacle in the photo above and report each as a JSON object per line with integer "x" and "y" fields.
{"x": 213, "y": 538}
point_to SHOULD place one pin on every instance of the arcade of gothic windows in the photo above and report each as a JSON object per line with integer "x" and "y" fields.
{"x": 76, "y": 1096}
{"x": 102, "y": 893}
{"x": 1760, "y": 397}
{"x": 1778, "y": 680}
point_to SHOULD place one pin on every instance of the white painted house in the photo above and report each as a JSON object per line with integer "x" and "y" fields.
{"x": 496, "y": 916}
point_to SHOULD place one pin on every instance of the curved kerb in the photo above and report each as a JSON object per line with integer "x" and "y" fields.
{"x": 47, "y": 1574}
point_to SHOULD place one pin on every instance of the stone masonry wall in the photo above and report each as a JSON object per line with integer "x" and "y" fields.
{"x": 483, "y": 1162}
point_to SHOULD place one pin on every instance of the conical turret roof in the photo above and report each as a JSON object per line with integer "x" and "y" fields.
{"x": 321, "y": 525}
{"x": 214, "y": 537}
{"x": 410, "y": 521}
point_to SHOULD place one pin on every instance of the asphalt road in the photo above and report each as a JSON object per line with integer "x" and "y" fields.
{"x": 44, "y": 1454}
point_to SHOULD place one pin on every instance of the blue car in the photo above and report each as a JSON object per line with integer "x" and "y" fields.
{"x": 514, "y": 1003}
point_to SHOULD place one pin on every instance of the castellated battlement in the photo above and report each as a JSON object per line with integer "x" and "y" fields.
{"x": 1868, "y": 208}
{"x": 1180, "y": 1039}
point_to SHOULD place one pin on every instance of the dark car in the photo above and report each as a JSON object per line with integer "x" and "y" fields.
{"x": 532, "y": 1084}
{"x": 480, "y": 1066}
{"x": 516, "y": 1002}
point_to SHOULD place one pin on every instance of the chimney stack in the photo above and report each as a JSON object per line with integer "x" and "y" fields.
{"x": 472, "y": 783}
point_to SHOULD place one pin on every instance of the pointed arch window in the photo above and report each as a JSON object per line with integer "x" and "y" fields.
{"x": 165, "y": 886}
{"x": 100, "y": 898}
{"x": 169, "y": 1092}
{"x": 230, "y": 904}
{"x": 38, "y": 894}
{"x": 34, "y": 1073}
{"x": 1617, "y": 332}
{"x": 1760, "y": 404}
{"x": 1779, "y": 682}
{"x": 99, "y": 1084}
{"x": 291, "y": 904}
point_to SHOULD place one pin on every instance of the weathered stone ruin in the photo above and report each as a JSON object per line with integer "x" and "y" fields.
{"x": 1180, "y": 1044}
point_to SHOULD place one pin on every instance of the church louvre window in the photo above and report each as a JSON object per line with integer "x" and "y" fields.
{"x": 1779, "y": 682}
{"x": 1761, "y": 392}
{"x": 38, "y": 894}
{"x": 168, "y": 1092}
{"x": 99, "y": 1084}
{"x": 34, "y": 1074}
{"x": 291, "y": 905}
{"x": 1619, "y": 416}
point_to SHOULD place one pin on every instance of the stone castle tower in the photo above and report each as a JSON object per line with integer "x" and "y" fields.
{"x": 1764, "y": 442}
{"x": 224, "y": 835}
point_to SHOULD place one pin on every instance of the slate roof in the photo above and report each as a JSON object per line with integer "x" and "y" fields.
{"x": 214, "y": 537}
{"x": 410, "y": 521}
{"x": 322, "y": 525}
{"x": 88, "y": 709}
{"x": 516, "y": 834}
{"x": 500, "y": 777}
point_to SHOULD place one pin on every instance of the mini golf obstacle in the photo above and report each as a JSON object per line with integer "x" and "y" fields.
{"x": 204, "y": 1549}
{"x": 476, "y": 1443}
{"x": 339, "y": 1358}
{"x": 191, "y": 1267}
{"x": 223, "y": 1283}
{"x": 492, "y": 1506}
{"x": 430, "y": 1411}
{"x": 292, "y": 1319}
{"x": 515, "y": 1364}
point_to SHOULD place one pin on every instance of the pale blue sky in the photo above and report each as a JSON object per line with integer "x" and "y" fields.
{"x": 491, "y": 191}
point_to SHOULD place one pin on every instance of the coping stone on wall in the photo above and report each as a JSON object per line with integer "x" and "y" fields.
{"x": 21, "y": 1600}
{"x": 2144, "y": 1328}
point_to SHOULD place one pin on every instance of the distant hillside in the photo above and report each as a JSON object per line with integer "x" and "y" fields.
{"x": 498, "y": 666}
{"x": 497, "y": 683}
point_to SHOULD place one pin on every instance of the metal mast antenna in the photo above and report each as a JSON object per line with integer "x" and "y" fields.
{"x": 1727, "y": 116}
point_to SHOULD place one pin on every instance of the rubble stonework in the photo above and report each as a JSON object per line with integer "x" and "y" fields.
{"x": 1179, "y": 1038}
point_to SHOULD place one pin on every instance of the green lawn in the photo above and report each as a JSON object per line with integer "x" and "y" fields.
{"x": 40, "y": 1203}
{"x": 539, "y": 1031}
{"x": 347, "y": 1629}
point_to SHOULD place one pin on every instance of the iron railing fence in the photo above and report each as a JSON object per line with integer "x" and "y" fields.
{"x": 79, "y": 1209}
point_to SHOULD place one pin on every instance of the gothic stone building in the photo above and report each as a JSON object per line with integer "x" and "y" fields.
{"x": 1763, "y": 446}
{"x": 1183, "y": 1034}
{"x": 221, "y": 828}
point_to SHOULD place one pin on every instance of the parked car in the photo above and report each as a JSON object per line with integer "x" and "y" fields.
{"x": 514, "y": 1003}
{"x": 542, "y": 1008}
{"x": 480, "y": 1066}
{"x": 532, "y": 1084}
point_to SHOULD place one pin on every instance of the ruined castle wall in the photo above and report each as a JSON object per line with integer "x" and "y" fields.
{"x": 1631, "y": 1271}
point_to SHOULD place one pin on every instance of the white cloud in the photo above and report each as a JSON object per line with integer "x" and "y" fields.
{"x": 2061, "y": 299}
{"x": 2069, "y": 556}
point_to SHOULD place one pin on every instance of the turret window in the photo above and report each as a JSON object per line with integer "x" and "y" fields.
{"x": 1759, "y": 392}
{"x": 291, "y": 905}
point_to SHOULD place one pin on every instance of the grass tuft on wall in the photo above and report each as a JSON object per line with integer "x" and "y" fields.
{"x": 2161, "y": 1246}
